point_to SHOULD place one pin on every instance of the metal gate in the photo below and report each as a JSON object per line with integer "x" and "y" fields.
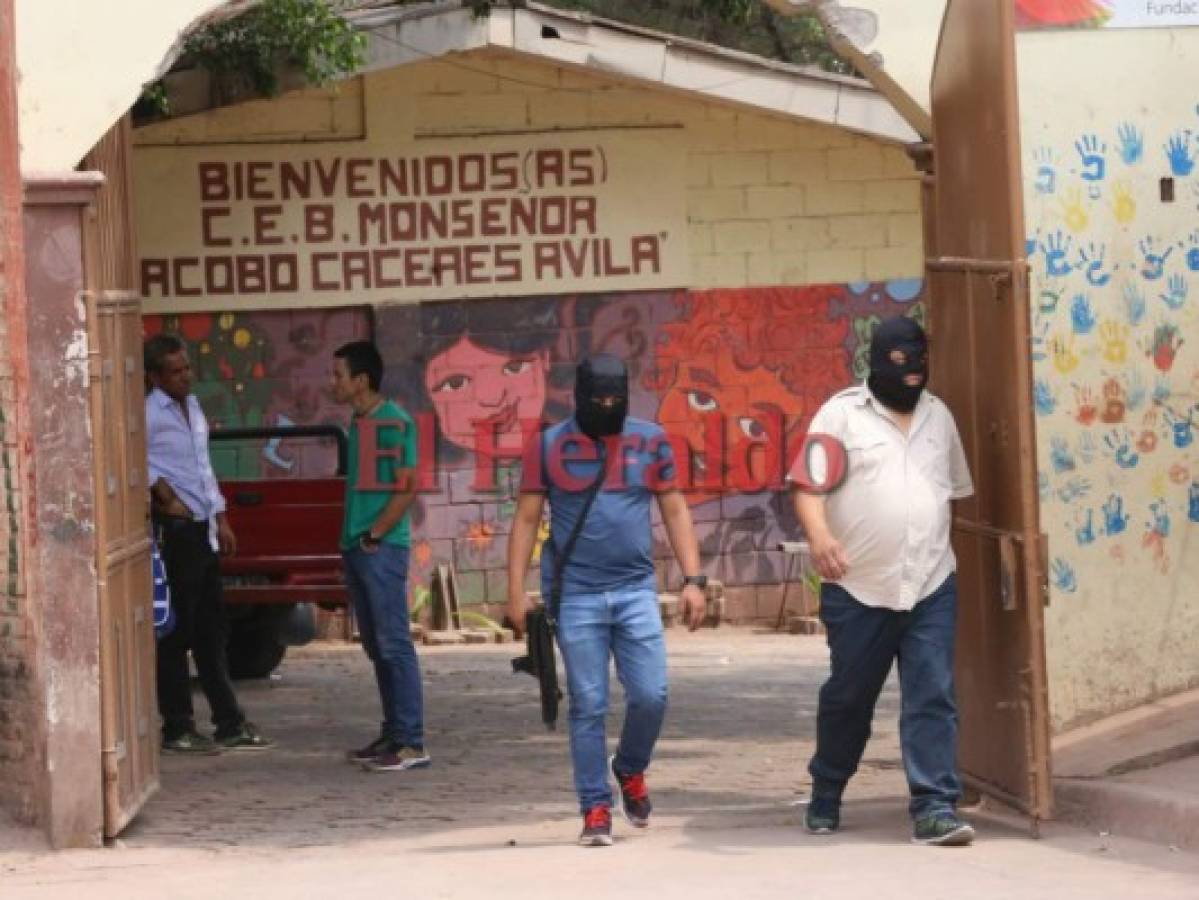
{"x": 981, "y": 365}
{"x": 129, "y": 716}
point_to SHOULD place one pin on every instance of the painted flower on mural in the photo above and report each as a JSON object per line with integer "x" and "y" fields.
{"x": 741, "y": 366}
{"x": 422, "y": 556}
{"x": 1062, "y": 13}
{"x": 480, "y": 536}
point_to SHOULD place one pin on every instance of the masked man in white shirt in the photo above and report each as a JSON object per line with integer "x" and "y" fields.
{"x": 880, "y": 542}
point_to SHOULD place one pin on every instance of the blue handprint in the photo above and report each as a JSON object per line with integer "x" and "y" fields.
{"x": 1178, "y": 152}
{"x": 1094, "y": 163}
{"x": 1182, "y": 431}
{"x": 1176, "y": 292}
{"x": 1046, "y": 180}
{"x": 1043, "y": 397}
{"x": 1060, "y": 455}
{"x": 1063, "y": 575}
{"x": 1119, "y": 447}
{"x": 1091, "y": 261}
{"x": 1115, "y": 519}
{"x": 1193, "y": 502}
{"x": 1132, "y": 143}
{"x": 1057, "y": 250}
{"x": 1084, "y": 530}
{"x": 1193, "y": 253}
{"x": 1160, "y": 523}
{"x": 1087, "y": 449}
{"x": 1082, "y": 315}
{"x": 1040, "y": 340}
{"x": 1134, "y": 305}
{"x": 1075, "y": 488}
{"x": 1048, "y": 300}
{"x": 1161, "y": 390}
{"x": 1135, "y": 391}
{"x": 1043, "y": 487}
{"x": 1154, "y": 265}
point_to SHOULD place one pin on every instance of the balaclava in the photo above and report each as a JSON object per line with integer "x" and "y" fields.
{"x": 886, "y": 377}
{"x": 602, "y": 375}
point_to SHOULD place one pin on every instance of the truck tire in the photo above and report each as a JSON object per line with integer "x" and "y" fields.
{"x": 254, "y": 653}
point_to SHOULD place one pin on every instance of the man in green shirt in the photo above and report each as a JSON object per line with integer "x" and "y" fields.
{"x": 375, "y": 540}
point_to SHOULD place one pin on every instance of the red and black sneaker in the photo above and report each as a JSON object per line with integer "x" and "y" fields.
{"x": 597, "y": 828}
{"x": 634, "y": 796}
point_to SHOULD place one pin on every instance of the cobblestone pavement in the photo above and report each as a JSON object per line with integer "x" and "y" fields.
{"x": 495, "y": 815}
{"x": 738, "y": 735}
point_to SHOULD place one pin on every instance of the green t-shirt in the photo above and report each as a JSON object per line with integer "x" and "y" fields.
{"x": 363, "y": 505}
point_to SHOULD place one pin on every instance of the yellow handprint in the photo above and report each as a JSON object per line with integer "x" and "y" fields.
{"x": 1114, "y": 337}
{"x": 1124, "y": 205}
{"x": 1065, "y": 360}
{"x": 1074, "y": 213}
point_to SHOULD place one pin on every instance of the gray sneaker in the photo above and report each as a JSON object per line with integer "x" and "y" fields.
{"x": 191, "y": 743}
{"x": 823, "y": 816}
{"x": 943, "y": 829}
{"x": 245, "y": 738}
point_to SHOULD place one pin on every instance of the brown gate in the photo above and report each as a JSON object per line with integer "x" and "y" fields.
{"x": 129, "y": 718}
{"x": 979, "y": 322}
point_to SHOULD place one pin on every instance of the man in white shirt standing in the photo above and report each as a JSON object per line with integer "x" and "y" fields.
{"x": 880, "y": 542}
{"x": 189, "y": 520}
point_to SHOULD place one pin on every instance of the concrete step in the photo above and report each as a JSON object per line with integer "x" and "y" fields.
{"x": 1135, "y": 774}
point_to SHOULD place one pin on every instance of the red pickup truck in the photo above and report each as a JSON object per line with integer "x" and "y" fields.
{"x": 287, "y": 556}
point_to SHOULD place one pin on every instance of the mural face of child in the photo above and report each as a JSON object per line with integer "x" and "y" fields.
{"x": 473, "y": 387}
{"x": 745, "y": 400}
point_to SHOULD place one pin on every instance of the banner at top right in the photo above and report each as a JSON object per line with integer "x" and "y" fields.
{"x": 1039, "y": 15}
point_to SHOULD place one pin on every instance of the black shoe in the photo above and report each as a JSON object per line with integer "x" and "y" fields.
{"x": 245, "y": 738}
{"x": 943, "y": 829}
{"x": 823, "y": 816}
{"x": 373, "y": 750}
{"x": 597, "y": 828}
{"x": 192, "y": 743}
{"x": 634, "y": 796}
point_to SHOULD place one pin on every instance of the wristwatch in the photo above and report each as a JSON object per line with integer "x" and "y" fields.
{"x": 700, "y": 581}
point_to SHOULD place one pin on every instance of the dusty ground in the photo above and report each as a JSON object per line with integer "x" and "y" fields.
{"x": 495, "y": 815}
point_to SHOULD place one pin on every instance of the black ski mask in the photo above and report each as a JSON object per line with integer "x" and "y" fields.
{"x": 886, "y": 379}
{"x": 601, "y": 376}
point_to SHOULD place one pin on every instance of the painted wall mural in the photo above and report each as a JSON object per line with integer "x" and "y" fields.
{"x": 1117, "y": 381}
{"x": 730, "y": 368}
{"x": 267, "y": 368}
{"x": 735, "y": 369}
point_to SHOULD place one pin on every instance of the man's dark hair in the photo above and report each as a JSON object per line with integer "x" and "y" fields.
{"x": 362, "y": 358}
{"x": 156, "y": 350}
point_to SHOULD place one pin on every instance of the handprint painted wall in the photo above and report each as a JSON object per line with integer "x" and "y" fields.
{"x": 1116, "y": 381}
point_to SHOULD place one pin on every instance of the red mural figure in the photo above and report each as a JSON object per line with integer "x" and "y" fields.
{"x": 1031, "y": 14}
{"x": 742, "y": 372}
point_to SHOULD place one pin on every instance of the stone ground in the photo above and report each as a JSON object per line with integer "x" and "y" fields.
{"x": 495, "y": 815}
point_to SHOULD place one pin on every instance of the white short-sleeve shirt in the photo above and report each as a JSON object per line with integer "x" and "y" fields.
{"x": 892, "y": 513}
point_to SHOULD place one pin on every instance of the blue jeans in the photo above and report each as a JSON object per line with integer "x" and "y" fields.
{"x": 864, "y": 641}
{"x": 377, "y": 583}
{"x": 592, "y": 628}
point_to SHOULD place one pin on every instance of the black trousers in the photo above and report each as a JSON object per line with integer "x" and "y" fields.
{"x": 193, "y": 573}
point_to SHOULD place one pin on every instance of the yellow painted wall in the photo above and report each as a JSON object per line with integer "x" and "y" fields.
{"x": 1115, "y": 279}
{"x": 767, "y": 201}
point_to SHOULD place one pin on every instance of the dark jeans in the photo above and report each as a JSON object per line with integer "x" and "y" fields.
{"x": 377, "y": 583}
{"x": 193, "y": 573}
{"x": 864, "y": 642}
